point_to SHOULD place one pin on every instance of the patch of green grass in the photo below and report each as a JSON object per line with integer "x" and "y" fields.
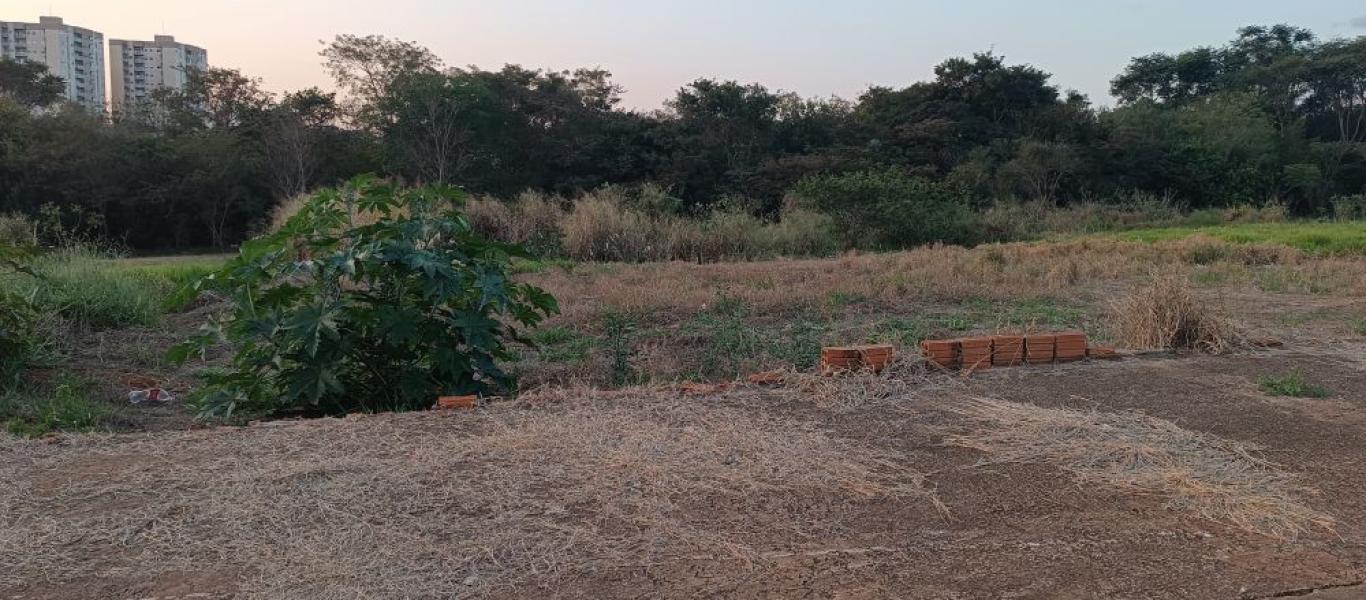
{"x": 732, "y": 342}
{"x": 906, "y": 331}
{"x": 956, "y": 322}
{"x": 1321, "y": 238}
{"x": 1296, "y": 318}
{"x": 1278, "y": 280}
{"x": 1038, "y": 311}
{"x": 541, "y": 265}
{"x": 1359, "y": 326}
{"x": 1293, "y": 385}
{"x": 562, "y": 345}
{"x": 1042, "y": 312}
{"x": 34, "y": 412}
{"x": 909, "y": 331}
{"x": 839, "y": 299}
{"x": 1209, "y": 277}
{"x": 94, "y": 291}
{"x": 168, "y": 275}
{"x": 797, "y": 344}
{"x": 92, "y": 294}
{"x": 729, "y": 340}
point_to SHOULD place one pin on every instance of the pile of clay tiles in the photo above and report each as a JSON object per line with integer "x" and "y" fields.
{"x": 977, "y": 353}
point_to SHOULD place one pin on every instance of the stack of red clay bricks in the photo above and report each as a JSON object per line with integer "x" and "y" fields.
{"x": 848, "y": 359}
{"x": 977, "y": 353}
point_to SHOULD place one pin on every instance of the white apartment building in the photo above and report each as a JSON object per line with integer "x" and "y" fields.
{"x": 73, "y": 53}
{"x": 137, "y": 68}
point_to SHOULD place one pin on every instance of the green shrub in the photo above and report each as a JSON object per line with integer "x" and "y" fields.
{"x": 332, "y": 317}
{"x": 889, "y": 210}
{"x": 618, "y": 332}
{"x": 1293, "y": 385}
{"x": 18, "y": 338}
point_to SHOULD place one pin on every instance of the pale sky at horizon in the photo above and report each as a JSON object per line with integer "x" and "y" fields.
{"x": 814, "y": 48}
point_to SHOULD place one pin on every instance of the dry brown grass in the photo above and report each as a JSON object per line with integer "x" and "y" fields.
{"x": 600, "y": 227}
{"x": 907, "y": 379}
{"x": 289, "y": 207}
{"x": 1208, "y": 476}
{"x": 533, "y": 219}
{"x": 1075, "y": 269}
{"x": 1166, "y": 314}
{"x": 423, "y": 505}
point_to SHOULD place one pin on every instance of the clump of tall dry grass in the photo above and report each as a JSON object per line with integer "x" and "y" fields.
{"x": 612, "y": 224}
{"x": 1166, "y": 314}
{"x": 291, "y": 206}
{"x": 600, "y": 229}
{"x": 604, "y": 227}
{"x": 1211, "y": 477}
{"x": 285, "y": 209}
{"x": 532, "y": 219}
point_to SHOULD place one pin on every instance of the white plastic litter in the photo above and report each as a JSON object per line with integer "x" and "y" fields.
{"x": 151, "y": 395}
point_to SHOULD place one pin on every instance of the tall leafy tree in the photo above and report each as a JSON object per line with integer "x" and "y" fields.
{"x": 291, "y": 136}
{"x": 1337, "y": 79}
{"x": 29, "y": 84}
{"x": 431, "y": 120}
{"x": 367, "y": 67}
{"x": 216, "y": 98}
{"x": 717, "y": 129}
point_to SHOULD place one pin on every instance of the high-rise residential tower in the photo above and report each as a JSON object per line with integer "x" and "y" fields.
{"x": 137, "y": 68}
{"x": 75, "y": 54}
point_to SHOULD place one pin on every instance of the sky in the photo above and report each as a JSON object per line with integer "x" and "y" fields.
{"x": 811, "y": 47}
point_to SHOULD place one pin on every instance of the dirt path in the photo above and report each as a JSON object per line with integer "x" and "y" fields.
{"x": 1140, "y": 479}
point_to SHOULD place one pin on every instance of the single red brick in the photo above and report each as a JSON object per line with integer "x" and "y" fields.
{"x": 457, "y": 402}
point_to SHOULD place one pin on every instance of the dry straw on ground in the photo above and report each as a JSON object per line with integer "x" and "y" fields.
{"x": 1208, "y": 476}
{"x": 904, "y": 381}
{"x": 1166, "y": 314}
{"x": 423, "y": 505}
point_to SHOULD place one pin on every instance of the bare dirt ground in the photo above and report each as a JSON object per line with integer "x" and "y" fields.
{"x": 1161, "y": 477}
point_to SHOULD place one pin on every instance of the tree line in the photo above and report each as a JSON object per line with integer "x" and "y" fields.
{"x": 1274, "y": 115}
